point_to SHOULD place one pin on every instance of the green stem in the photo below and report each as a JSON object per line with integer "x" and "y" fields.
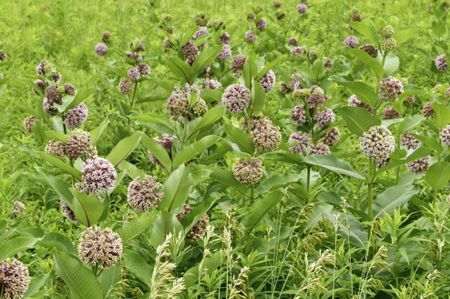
{"x": 308, "y": 178}
{"x": 370, "y": 189}
{"x": 133, "y": 99}
{"x": 252, "y": 193}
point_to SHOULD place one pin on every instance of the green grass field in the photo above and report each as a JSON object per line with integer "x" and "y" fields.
{"x": 224, "y": 149}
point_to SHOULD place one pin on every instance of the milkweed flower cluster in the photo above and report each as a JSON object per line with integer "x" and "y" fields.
{"x": 268, "y": 81}
{"x": 144, "y": 193}
{"x": 29, "y": 121}
{"x": 410, "y": 142}
{"x": 390, "y": 113}
{"x": 354, "y": 101}
{"x": 420, "y": 165}
{"x": 302, "y": 8}
{"x": 427, "y": 110}
{"x": 249, "y": 171}
{"x": 351, "y": 41}
{"x": 56, "y": 148}
{"x": 189, "y": 52}
{"x": 370, "y": 49}
{"x": 101, "y": 247}
{"x": 250, "y": 36}
{"x": 75, "y": 117}
{"x": 236, "y": 98}
{"x": 390, "y": 88}
{"x": 18, "y": 209}
{"x": 441, "y": 63}
{"x": 14, "y": 279}
{"x": 237, "y": 64}
{"x": 445, "y": 135}
{"x": 186, "y": 103}
{"x": 98, "y": 175}
{"x": 266, "y": 137}
{"x": 79, "y": 145}
{"x": 67, "y": 211}
{"x": 199, "y": 228}
{"x": 377, "y": 143}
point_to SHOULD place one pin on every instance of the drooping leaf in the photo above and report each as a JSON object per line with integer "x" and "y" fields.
{"x": 158, "y": 152}
{"x": 162, "y": 225}
{"x": 358, "y": 119}
{"x": 331, "y": 162}
{"x": 134, "y": 228}
{"x": 260, "y": 208}
{"x": 392, "y": 198}
{"x": 98, "y": 132}
{"x": 176, "y": 189}
{"x": 124, "y": 148}
{"x": 180, "y": 69}
{"x": 10, "y": 247}
{"x": 368, "y": 60}
{"x": 205, "y": 58}
{"x": 438, "y": 175}
{"x": 60, "y": 164}
{"x": 238, "y": 136}
{"x": 258, "y": 98}
{"x": 193, "y": 150}
{"x": 138, "y": 265}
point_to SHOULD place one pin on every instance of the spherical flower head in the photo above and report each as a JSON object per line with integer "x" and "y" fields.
{"x": 144, "y": 70}
{"x": 249, "y": 171}
{"x": 106, "y": 36}
{"x": 144, "y": 194}
{"x": 370, "y": 49}
{"x": 79, "y": 145}
{"x": 101, "y": 247}
{"x": 40, "y": 84}
{"x": 212, "y": 84}
{"x": 69, "y": 89}
{"x": 441, "y": 63}
{"x": 225, "y": 53}
{"x": 98, "y": 175}
{"x": 14, "y": 279}
{"x": 390, "y": 113}
{"x": 67, "y": 211}
{"x": 266, "y": 137}
{"x": 136, "y": 56}
{"x": 351, "y": 41}
{"x": 261, "y": 24}
{"x": 356, "y": 16}
{"x": 202, "y": 31}
{"x": 285, "y": 88}
{"x": 300, "y": 141}
{"x": 29, "y": 121}
{"x": 55, "y": 76}
{"x": 320, "y": 149}
{"x": 199, "y": 108}
{"x": 445, "y": 135}
{"x": 388, "y": 44}
{"x": 298, "y": 50}
{"x": 43, "y": 68}
{"x": 387, "y": 31}
{"x": 225, "y": 38}
{"x": 302, "y": 8}
{"x": 410, "y": 142}
{"x": 298, "y": 114}
{"x": 377, "y": 143}
{"x": 167, "y": 44}
{"x": 236, "y": 98}
{"x": 325, "y": 117}
{"x": 328, "y": 64}
{"x": 177, "y": 104}
{"x": 237, "y": 64}
{"x": 101, "y": 49}
{"x": 134, "y": 74}
{"x": 296, "y": 81}
{"x": 197, "y": 231}
{"x": 250, "y": 36}
{"x": 316, "y": 99}
{"x": 292, "y": 41}
{"x": 420, "y": 165}
{"x": 125, "y": 86}
{"x": 427, "y": 110}
{"x": 190, "y": 52}
{"x": 56, "y": 148}
{"x": 332, "y": 137}
{"x": 49, "y": 107}
{"x": 3, "y": 56}
{"x": 75, "y": 117}
{"x": 390, "y": 88}
{"x": 53, "y": 94}
{"x": 18, "y": 209}
{"x": 268, "y": 81}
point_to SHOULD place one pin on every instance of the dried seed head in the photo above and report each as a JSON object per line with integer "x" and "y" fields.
{"x": 248, "y": 172}
{"x": 101, "y": 247}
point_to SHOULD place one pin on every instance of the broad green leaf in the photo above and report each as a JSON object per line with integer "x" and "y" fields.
{"x": 368, "y": 60}
{"x": 57, "y": 241}
{"x": 134, "y": 228}
{"x": 98, "y": 132}
{"x": 258, "y": 98}
{"x": 238, "y": 136}
{"x": 410, "y": 122}
{"x": 158, "y": 152}
{"x": 276, "y": 181}
{"x": 193, "y": 150}
{"x": 208, "y": 119}
{"x": 180, "y": 69}
{"x": 197, "y": 212}
{"x": 131, "y": 170}
{"x": 226, "y": 178}
{"x": 249, "y": 72}
{"x": 87, "y": 207}
{"x": 15, "y": 245}
{"x": 176, "y": 189}
{"x": 363, "y": 91}
{"x": 61, "y": 164}
{"x": 137, "y": 264}
{"x": 110, "y": 277}
{"x": 318, "y": 212}
{"x": 205, "y": 58}
{"x": 438, "y": 175}
{"x": 258, "y": 209}
{"x": 269, "y": 66}
{"x": 59, "y": 186}
{"x": 158, "y": 123}
{"x": 123, "y": 149}
{"x": 162, "y": 225}
{"x": 405, "y": 34}
{"x": 212, "y": 95}
{"x": 80, "y": 280}
{"x": 441, "y": 115}
{"x": 334, "y": 164}
{"x": 79, "y": 97}
{"x": 391, "y": 64}
{"x": 392, "y": 198}
{"x": 358, "y": 119}
{"x": 367, "y": 29}
{"x": 36, "y": 283}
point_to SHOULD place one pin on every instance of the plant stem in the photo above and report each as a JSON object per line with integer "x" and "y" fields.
{"x": 370, "y": 189}
{"x": 133, "y": 99}
{"x": 308, "y": 178}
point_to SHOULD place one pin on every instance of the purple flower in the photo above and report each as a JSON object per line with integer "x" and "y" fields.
{"x": 198, "y": 229}
{"x": 98, "y": 175}
{"x": 441, "y": 63}
{"x": 236, "y": 98}
{"x": 248, "y": 172}
{"x": 298, "y": 114}
{"x": 76, "y": 116}
{"x": 144, "y": 194}
{"x": 261, "y": 24}
{"x": 14, "y": 279}
{"x": 351, "y": 41}
{"x": 101, "y": 49}
{"x": 225, "y": 53}
{"x": 302, "y": 8}
{"x": 301, "y": 142}
{"x": 268, "y": 81}
{"x": 144, "y": 69}
{"x": 134, "y": 74}
{"x": 101, "y": 247}
{"x": 250, "y": 36}
{"x": 325, "y": 117}
{"x": 390, "y": 88}
{"x": 238, "y": 63}
{"x": 445, "y": 135}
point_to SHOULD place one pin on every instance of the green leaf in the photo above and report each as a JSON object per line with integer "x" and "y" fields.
{"x": 180, "y": 69}
{"x": 164, "y": 224}
{"x": 98, "y": 132}
{"x": 36, "y": 284}
{"x": 57, "y": 241}
{"x": 15, "y": 245}
{"x": 211, "y": 95}
{"x": 158, "y": 123}
{"x": 131, "y": 170}
{"x": 59, "y": 186}
{"x": 197, "y": 212}
{"x": 110, "y": 277}
{"x": 81, "y": 281}
{"x": 238, "y": 136}
{"x": 260, "y": 208}
{"x": 438, "y": 175}
{"x": 225, "y": 177}
{"x": 368, "y": 60}
{"x": 208, "y": 119}
{"x": 391, "y": 64}
{"x": 367, "y": 29}
{"x": 392, "y": 198}
{"x": 205, "y": 58}
{"x": 193, "y": 150}
{"x": 137, "y": 265}
{"x": 249, "y": 72}
{"x": 124, "y": 148}
{"x": 269, "y": 66}
{"x": 159, "y": 152}
{"x": 441, "y": 115}
{"x": 134, "y": 228}
{"x": 334, "y": 164}
{"x": 405, "y": 34}
{"x": 363, "y": 91}
{"x": 358, "y": 119}
{"x": 205, "y": 267}
{"x": 176, "y": 189}
{"x": 80, "y": 96}
{"x": 276, "y": 181}
{"x": 258, "y": 98}
{"x": 410, "y": 122}
{"x": 87, "y": 208}
{"x": 60, "y": 164}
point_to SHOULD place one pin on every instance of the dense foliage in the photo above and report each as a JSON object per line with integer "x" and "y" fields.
{"x": 198, "y": 149}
